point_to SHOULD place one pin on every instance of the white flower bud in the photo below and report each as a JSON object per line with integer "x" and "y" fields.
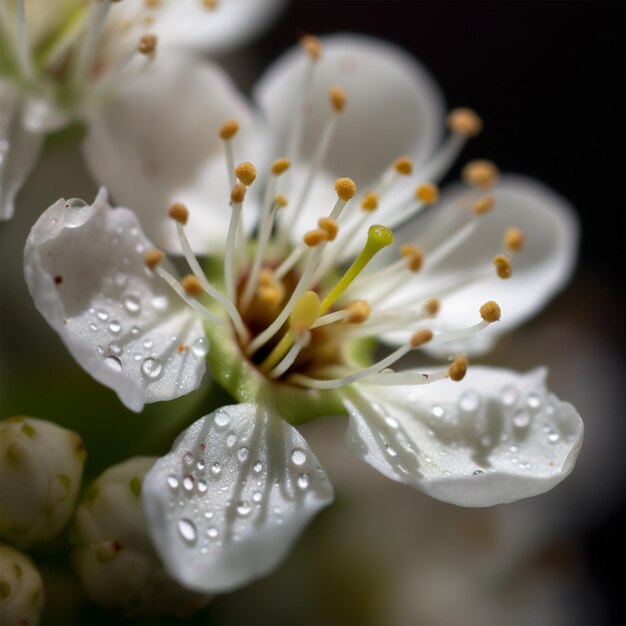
{"x": 41, "y": 466}
{"x": 21, "y": 589}
{"x": 113, "y": 553}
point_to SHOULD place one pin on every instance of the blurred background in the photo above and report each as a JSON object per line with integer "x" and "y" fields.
{"x": 548, "y": 80}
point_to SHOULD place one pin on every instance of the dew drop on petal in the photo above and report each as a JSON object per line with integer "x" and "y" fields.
{"x": 208, "y": 515}
{"x": 508, "y": 395}
{"x": 132, "y": 303}
{"x": 115, "y": 327}
{"x": 298, "y": 457}
{"x": 100, "y": 350}
{"x": 243, "y": 508}
{"x": 202, "y": 486}
{"x": 159, "y": 303}
{"x": 200, "y": 347}
{"x": 390, "y": 450}
{"x": 258, "y": 467}
{"x": 172, "y": 481}
{"x": 231, "y": 440}
{"x": 187, "y": 530}
{"x": 391, "y": 422}
{"x": 102, "y": 315}
{"x": 201, "y": 464}
{"x": 76, "y": 212}
{"x": 151, "y": 368}
{"x": 477, "y": 472}
{"x": 553, "y": 437}
{"x": 303, "y": 481}
{"x": 93, "y": 327}
{"x": 533, "y": 400}
{"x": 216, "y": 468}
{"x": 134, "y": 330}
{"x": 147, "y": 344}
{"x": 221, "y": 419}
{"x": 114, "y": 363}
{"x": 188, "y": 458}
{"x": 115, "y": 348}
{"x": 469, "y": 402}
{"x": 242, "y": 453}
{"x": 212, "y": 532}
{"x": 437, "y": 411}
{"x": 257, "y": 496}
{"x": 521, "y": 419}
{"x": 188, "y": 482}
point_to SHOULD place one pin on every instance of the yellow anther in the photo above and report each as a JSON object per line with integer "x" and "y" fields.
{"x": 229, "y": 129}
{"x": 330, "y": 226}
{"x": 269, "y": 296}
{"x": 147, "y": 44}
{"x": 153, "y": 4}
{"x": 428, "y": 193}
{"x": 338, "y": 98}
{"x": 246, "y": 173}
{"x": 312, "y": 46}
{"x": 238, "y": 193}
{"x": 480, "y": 173}
{"x": 345, "y": 188}
{"x": 432, "y": 306}
{"x": 315, "y": 237}
{"x": 464, "y": 122}
{"x": 152, "y": 258}
{"x": 458, "y": 369}
{"x": 266, "y": 277}
{"x": 370, "y": 201}
{"x": 403, "y": 165}
{"x": 306, "y": 311}
{"x": 179, "y": 212}
{"x": 503, "y": 266}
{"x": 192, "y": 285}
{"x": 280, "y": 165}
{"x": 210, "y": 4}
{"x": 490, "y": 311}
{"x": 414, "y": 256}
{"x": 357, "y": 312}
{"x": 281, "y": 200}
{"x": 514, "y": 239}
{"x": 483, "y": 205}
{"x": 421, "y": 337}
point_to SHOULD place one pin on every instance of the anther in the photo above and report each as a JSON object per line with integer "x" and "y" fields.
{"x": 338, "y": 98}
{"x": 192, "y": 285}
{"x": 503, "y": 266}
{"x": 152, "y": 258}
{"x": 229, "y": 129}
{"x": 246, "y": 173}
{"x": 413, "y": 255}
{"x": 490, "y": 311}
{"x": 312, "y": 46}
{"x": 480, "y": 173}
{"x": 269, "y": 295}
{"x": 179, "y": 213}
{"x": 464, "y": 122}
{"x": 147, "y": 44}
{"x": 281, "y": 201}
{"x": 421, "y": 337}
{"x": 432, "y": 306}
{"x": 370, "y": 201}
{"x": 357, "y": 312}
{"x": 315, "y": 237}
{"x": 280, "y": 165}
{"x": 458, "y": 369}
{"x": 483, "y": 205}
{"x": 514, "y": 239}
{"x": 211, "y": 5}
{"x": 238, "y": 193}
{"x": 428, "y": 193}
{"x": 330, "y": 226}
{"x": 153, "y": 4}
{"x": 345, "y": 188}
{"x": 404, "y": 166}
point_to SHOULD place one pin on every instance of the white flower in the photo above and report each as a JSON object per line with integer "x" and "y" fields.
{"x": 288, "y": 329}
{"x": 62, "y": 60}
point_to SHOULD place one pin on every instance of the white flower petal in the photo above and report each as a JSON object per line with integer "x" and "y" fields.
{"x": 84, "y": 268}
{"x": 394, "y": 108}
{"x": 225, "y": 505}
{"x": 540, "y": 270}
{"x": 495, "y": 437}
{"x": 157, "y": 142}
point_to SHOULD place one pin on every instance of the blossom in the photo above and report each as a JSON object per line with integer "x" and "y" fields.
{"x": 287, "y": 323}
{"x": 21, "y": 588}
{"x": 62, "y": 61}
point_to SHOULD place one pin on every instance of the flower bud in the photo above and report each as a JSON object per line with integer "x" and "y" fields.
{"x": 21, "y": 589}
{"x": 41, "y": 465}
{"x": 113, "y": 553}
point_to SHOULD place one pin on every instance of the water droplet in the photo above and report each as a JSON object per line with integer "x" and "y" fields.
{"x": 172, "y": 481}
{"x": 100, "y": 350}
{"x": 115, "y": 348}
{"x": 221, "y": 419}
{"x": 115, "y": 327}
{"x": 208, "y": 515}
{"x": 521, "y": 419}
{"x": 187, "y": 530}
{"x": 437, "y": 411}
{"x": 151, "y": 368}
{"x": 469, "y": 402}
{"x": 212, "y": 532}
{"x": 231, "y": 440}
{"x": 390, "y": 450}
{"x": 200, "y": 347}
{"x": 76, "y": 212}
{"x": 303, "y": 481}
{"x": 188, "y": 458}
{"x": 242, "y": 453}
{"x": 134, "y": 330}
{"x": 258, "y": 467}
{"x": 93, "y": 327}
{"x": 147, "y": 344}
{"x": 298, "y": 457}
{"x": 392, "y": 423}
{"x": 202, "y": 486}
{"x": 533, "y": 401}
{"x": 201, "y": 464}
{"x": 216, "y": 468}
{"x": 114, "y": 363}
{"x": 159, "y": 303}
{"x": 513, "y": 448}
{"x": 132, "y": 303}
{"x": 138, "y": 356}
{"x": 243, "y": 508}
{"x": 553, "y": 437}
{"x": 477, "y": 472}
{"x": 188, "y": 482}
{"x": 102, "y": 315}
{"x": 257, "y": 496}
{"x": 508, "y": 395}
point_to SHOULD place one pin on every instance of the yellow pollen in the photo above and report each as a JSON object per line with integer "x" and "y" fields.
{"x": 458, "y": 369}
{"x": 312, "y": 46}
{"x": 414, "y": 256}
{"x": 421, "y": 337}
{"x": 338, "y": 98}
{"x": 483, "y": 205}
{"x": 357, "y": 312}
{"x": 152, "y": 258}
{"x": 403, "y": 165}
{"x": 514, "y": 239}
{"x": 432, "y": 307}
{"x": 345, "y": 188}
{"x": 179, "y": 213}
{"x": 315, "y": 237}
{"x": 147, "y": 44}
{"x": 480, "y": 173}
{"x": 246, "y": 173}
{"x": 370, "y": 201}
{"x": 153, "y": 4}
{"x": 330, "y": 226}
{"x": 281, "y": 200}
{"x": 280, "y": 165}
{"x": 192, "y": 285}
{"x": 503, "y": 266}
{"x": 428, "y": 193}
{"x": 211, "y": 5}
{"x": 238, "y": 193}
{"x": 490, "y": 311}
{"x": 464, "y": 122}
{"x": 229, "y": 129}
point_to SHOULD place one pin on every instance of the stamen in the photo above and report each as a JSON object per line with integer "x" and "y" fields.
{"x": 370, "y": 201}
{"x": 357, "y": 312}
{"x": 147, "y": 44}
{"x": 302, "y": 338}
{"x": 503, "y": 266}
{"x": 152, "y": 258}
{"x": 312, "y": 46}
{"x": 280, "y": 166}
{"x": 480, "y": 173}
{"x": 314, "y": 238}
{"x": 192, "y": 285}
{"x": 237, "y": 196}
{"x": 179, "y": 212}
{"x": 414, "y": 256}
{"x": 514, "y": 239}
{"x": 428, "y": 193}
{"x": 490, "y": 311}
{"x": 483, "y": 205}
{"x": 330, "y": 226}
{"x": 458, "y": 369}
{"x": 404, "y": 166}
{"x": 211, "y": 5}
{"x": 338, "y": 98}
{"x": 464, "y": 122}
{"x": 432, "y": 306}
{"x": 86, "y": 52}
{"x": 228, "y": 130}
{"x": 246, "y": 173}
{"x": 420, "y": 338}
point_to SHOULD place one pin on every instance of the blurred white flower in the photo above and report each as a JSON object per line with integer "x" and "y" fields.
{"x": 288, "y": 332}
